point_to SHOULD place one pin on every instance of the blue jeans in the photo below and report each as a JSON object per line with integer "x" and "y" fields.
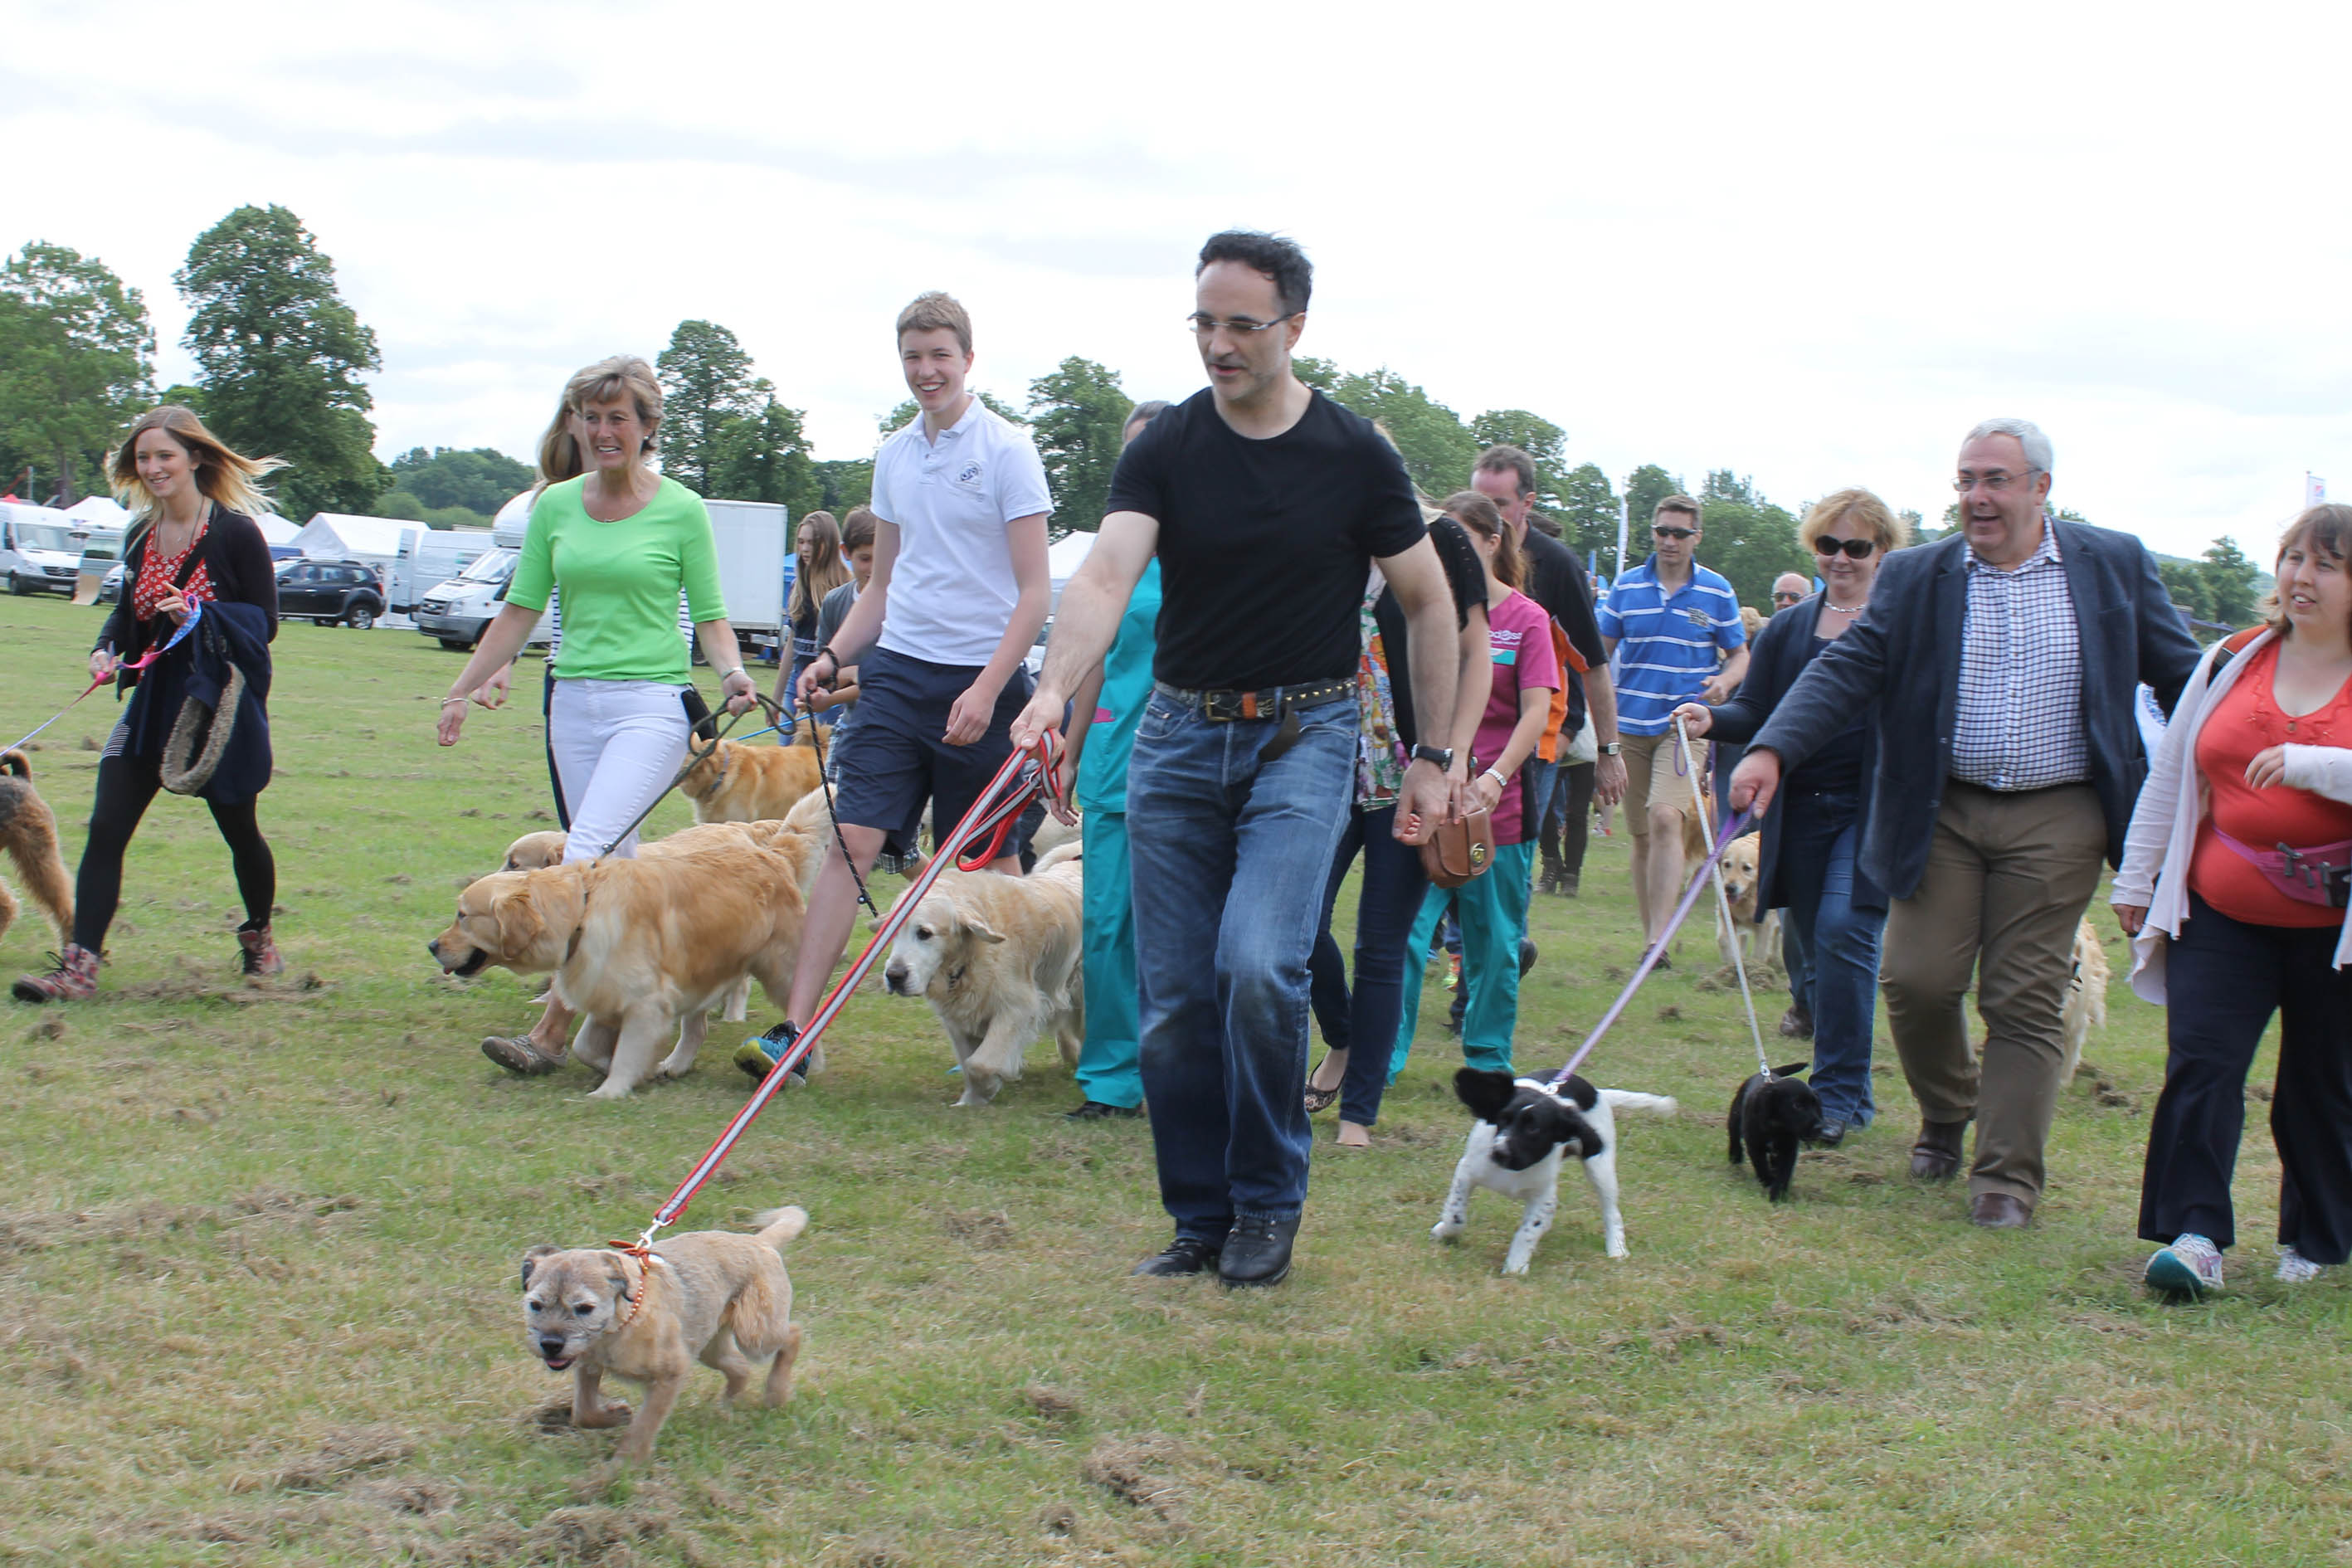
{"x": 1493, "y": 909}
{"x": 1385, "y": 907}
{"x": 1231, "y": 856}
{"x": 1819, "y": 834}
{"x": 1107, "y": 1069}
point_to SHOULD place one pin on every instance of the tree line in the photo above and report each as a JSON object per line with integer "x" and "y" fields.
{"x": 280, "y": 356}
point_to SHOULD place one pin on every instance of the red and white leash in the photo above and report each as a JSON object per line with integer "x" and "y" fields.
{"x": 1023, "y": 777}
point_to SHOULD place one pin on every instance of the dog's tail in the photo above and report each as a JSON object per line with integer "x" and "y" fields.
{"x": 17, "y": 762}
{"x": 1631, "y": 1100}
{"x": 1060, "y": 854}
{"x": 778, "y": 1226}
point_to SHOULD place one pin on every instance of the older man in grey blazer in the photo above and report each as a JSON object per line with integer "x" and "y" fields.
{"x": 1999, "y": 665}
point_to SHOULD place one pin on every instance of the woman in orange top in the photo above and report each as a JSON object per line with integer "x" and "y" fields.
{"x": 2235, "y": 878}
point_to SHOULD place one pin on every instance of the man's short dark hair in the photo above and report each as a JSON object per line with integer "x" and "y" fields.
{"x": 1504, "y": 458}
{"x": 1279, "y": 259}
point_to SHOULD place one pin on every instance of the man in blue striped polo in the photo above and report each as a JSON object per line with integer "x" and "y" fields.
{"x": 1679, "y": 624}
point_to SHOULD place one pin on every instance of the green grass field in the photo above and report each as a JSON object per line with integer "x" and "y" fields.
{"x": 258, "y": 1298}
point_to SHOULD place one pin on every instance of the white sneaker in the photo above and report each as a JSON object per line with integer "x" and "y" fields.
{"x": 2191, "y": 1266}
{"x": 2294, "y": 1268}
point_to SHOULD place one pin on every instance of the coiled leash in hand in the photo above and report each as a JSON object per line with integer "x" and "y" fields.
{"x": 695, "y": 759}
{"x": 1022, "y": 778}
{"x": 195, "y": 613}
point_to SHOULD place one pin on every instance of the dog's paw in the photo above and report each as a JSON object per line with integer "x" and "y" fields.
{"x": 1617, "y": 1250}
{"x": 612, "y": 1089}
{"x": 1445, "y": 1230}
{"x": 1515, "y": 1264}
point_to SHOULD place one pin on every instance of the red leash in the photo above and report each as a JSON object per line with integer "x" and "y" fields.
{"x": 195, "y": 613}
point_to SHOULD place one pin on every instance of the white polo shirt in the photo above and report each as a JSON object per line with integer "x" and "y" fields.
{"x": 952, "y": 590}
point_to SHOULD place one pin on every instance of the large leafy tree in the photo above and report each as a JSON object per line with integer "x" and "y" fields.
{"x": 1747, "y": 538}
{"x": 480, "y": 481}
{"x": 764, "y": 455}
{"x": 281, "y": 354}
{"x": 2184, "y": 581}
{"x": 1075, "y": 413}
{"x": 2230, "y": 584}
{"x": 76, "y": 362}
{"x": 844, "y": 482}
{"x": 1645, "y": 487}
{"x": 707, "y": 383}
{"x": 898, "y": 418}
{"x": 1438, "y": 449}
{"x": 1539, "y": 439}
{"x": 1587, "y": 510}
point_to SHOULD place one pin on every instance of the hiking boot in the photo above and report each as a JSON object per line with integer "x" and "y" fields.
{"x": 1569, "y": 882}
{"x": 258, "y": 953}
{"x": 1257, "y": 1251}
{"x": 72, "y": 977}
{"x": 1797, "y": 1024}
{"x": 759, "y": 1055}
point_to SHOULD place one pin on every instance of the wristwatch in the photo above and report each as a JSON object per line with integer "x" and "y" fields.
{"x": 1612, "y": 749}
{"x": 1440, "y": 755}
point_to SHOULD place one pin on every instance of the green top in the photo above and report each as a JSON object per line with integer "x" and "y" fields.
{"x": 620, "y": 581}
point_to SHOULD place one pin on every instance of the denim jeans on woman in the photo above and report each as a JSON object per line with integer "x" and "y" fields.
{"x": 1231, "y": 855}
{"x": 1819, "y": 838}
{"x": 1385, "y": 906}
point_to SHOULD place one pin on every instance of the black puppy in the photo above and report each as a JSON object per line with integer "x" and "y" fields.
{"x": 1770, "y": 1116}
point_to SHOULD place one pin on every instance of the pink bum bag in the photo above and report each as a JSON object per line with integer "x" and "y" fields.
{"x": 2320, "y": 874}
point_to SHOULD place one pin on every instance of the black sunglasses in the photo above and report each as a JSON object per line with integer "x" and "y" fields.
{"x": 1675, "y": 532}
{"x": 1857, "y": 548}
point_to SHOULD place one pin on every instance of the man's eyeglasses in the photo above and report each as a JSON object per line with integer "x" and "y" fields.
{"x": 1857, "y": 548}
{"x": 1239, "y": 326}
{"x": 1675, "y": 532}
{"x": 1785, "y": 597}
{"x": 1996, "y": 481}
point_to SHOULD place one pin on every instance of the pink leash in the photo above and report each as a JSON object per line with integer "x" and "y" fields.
{"x": 195, "y": 613}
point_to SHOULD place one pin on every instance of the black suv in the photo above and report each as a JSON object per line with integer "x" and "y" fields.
{"x": 328, "y": 592}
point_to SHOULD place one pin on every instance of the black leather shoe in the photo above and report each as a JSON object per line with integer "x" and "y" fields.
{"x": 1257, "y": 1252}
{"x": 1832, "y": 1134}
{"x": 1095, "y": 1111}
{"x": 1937, "y": 1156}
{"x": 1527, "y": 957}
{"x": 1185, "y": 1255}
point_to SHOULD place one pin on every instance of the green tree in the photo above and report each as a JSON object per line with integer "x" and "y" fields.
{"x": 2184, "y": 581}
{"x": 764, "y": 455}
{"x": 898, "y": 418}
{"x": 480, "y": 481}
{"x": 707, "y": 382}
{"x": 844, "y": 482}
{"x": 2230, "y": 583}
{"x": 1438, "y": 449}
{"x": 1077, "y": 413}
{"x": 1645, "y": 487}
{"x": 1320, "y": 374}
{"x": 281, "y": 354}
{"x": 76, "y": 362}
{"x": 1747, "y": 538}
{"x": 1587, "y": 510}
{"x": 1540, "y": 439}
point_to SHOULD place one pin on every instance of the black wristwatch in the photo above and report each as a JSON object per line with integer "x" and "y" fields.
{"x": 1612, "y": 748}
{"x": 1442, "y": 756}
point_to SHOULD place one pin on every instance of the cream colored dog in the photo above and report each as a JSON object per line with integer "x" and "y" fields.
{"x": 1742, "y": 868}
{"x": 752, "y": 783}
{"x": 998, "y": 958}
{"x": 709, "y": 1295}
{"x": 2086, "y": 995}
{"x": 641, "y": 948}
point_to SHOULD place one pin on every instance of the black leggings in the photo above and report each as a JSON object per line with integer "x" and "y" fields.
{"x": 125, "y": 787}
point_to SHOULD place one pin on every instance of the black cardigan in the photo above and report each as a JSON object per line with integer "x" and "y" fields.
{"x": 236, "y": 562}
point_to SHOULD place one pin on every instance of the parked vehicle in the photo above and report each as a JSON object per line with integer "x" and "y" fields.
{"x": 331, "y": 593}
{"x": 457, "y": 610}
{"x": 430, "y": 559}
{"x": 38, "y": 548}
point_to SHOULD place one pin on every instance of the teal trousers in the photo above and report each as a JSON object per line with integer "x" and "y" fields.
{"x": 1107, "y": 1070}
{"x": 1493, "y": 911}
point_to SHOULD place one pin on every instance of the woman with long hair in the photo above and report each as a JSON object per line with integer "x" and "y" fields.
{"x": 1493, "y": 906}
{"x": 1813, "y": 835}
{"x": 621, "y": 543}
{"x": 2237, "y": 869}
{"x": 194, "y": 550}
{"x": 818, "y": 570}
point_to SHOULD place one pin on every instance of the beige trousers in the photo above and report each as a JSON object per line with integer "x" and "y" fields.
{"x": 2006, "y": 880}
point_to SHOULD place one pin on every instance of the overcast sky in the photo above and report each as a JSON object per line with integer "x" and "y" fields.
{"x": 1811, "y": 243}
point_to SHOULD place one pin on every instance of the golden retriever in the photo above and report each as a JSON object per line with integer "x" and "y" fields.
{"x": 752, "y": 783}
{"x": 2086, "y": 995}
{"x": 641, "y": 948}
{"x": 998, "y": 958}
{"x": 1756, "y": 941}
{"x": 29, "y": 831}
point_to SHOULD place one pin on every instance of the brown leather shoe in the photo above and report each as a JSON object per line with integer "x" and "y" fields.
{"x": 1937, "y": 1156}
{"x": 1997, "y": 1211}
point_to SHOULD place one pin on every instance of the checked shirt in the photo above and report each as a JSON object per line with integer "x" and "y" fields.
{"x": 2020, "y": 725}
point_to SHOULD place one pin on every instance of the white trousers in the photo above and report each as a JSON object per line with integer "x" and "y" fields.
{"x": 618, "y": 745}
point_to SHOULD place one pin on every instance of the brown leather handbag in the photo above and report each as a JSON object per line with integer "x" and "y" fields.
{"x": 1460, "y": 850}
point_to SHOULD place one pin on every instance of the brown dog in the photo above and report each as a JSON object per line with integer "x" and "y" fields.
{"x": 709, "y": 1295}
{"x": 30, "y": 828}
{"x": 1755, "y": 940}
{"x": 752, "y": 783}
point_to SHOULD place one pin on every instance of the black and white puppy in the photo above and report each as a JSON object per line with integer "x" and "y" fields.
{"x": 1524, "y": 1131}
{"x": 1771, "y": 1117}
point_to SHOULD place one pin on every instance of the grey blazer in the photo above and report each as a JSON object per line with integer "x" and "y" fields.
{"x": 1902, "y": 662}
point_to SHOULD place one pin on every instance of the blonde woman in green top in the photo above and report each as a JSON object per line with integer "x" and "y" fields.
{"x": 621, "y": 543}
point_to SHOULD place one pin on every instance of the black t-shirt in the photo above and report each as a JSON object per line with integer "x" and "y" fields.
{"x": 1836, "y": 768}
{"x": 1264, "y": 546}
{"x": 1466, "y": 575}
{"x": 1556, "y": 581}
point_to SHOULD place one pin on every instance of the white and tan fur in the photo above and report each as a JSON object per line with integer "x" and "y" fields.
{"x": 29, "y": 830}
{"x": 999, "y": 959}
{"x": 1756, "y": 941}
{"x": 710, "y": 1296}
{"x": 2087, "y": 997}
{"x": 1525, "y": 1130}
{"x": 641, "y": 948}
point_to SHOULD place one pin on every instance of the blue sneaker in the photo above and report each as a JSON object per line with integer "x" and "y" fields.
{"x": 2190, "y": 1266}
{"x": 759, "y": 1055}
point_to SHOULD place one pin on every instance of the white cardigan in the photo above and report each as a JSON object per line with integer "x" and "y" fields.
{"x": 2162, "y": 839}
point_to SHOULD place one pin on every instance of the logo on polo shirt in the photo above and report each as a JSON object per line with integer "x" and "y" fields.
{"x": 1697, "y": 618}
{"x": 969, "y": 473}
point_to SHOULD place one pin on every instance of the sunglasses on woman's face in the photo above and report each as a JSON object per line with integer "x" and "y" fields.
{"x": 1857, "y": 548}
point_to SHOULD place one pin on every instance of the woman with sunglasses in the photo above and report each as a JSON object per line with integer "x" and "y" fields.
{"x": 1814, "y": 829}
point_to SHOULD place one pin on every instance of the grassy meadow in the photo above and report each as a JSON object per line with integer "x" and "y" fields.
{"x": 258, "y": 1301}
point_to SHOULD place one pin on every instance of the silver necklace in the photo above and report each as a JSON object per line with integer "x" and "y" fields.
{"x": 1845, "y": 609}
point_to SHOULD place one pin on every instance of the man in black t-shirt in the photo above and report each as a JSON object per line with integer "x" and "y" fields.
{"x": 1267, "y": 503}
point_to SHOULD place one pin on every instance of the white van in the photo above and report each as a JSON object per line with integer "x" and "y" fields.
{"x": 38, "y": 548}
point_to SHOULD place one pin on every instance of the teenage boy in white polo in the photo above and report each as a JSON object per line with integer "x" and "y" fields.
{"x": 959, "y": 589}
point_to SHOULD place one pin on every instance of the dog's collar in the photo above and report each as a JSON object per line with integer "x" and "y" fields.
{"x": 646, "y": 1257}
{"x": 955, "y": 976}
{"x": 579, "y": 930}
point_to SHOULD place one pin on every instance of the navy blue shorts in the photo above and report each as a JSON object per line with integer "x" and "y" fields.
{"x": 893, "y": 760}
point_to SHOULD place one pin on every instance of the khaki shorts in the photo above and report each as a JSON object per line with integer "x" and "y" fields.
{"x": 1652, "y": 779}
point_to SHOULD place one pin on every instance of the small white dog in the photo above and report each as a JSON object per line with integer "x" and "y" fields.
{"x": 1524, "y": 1131}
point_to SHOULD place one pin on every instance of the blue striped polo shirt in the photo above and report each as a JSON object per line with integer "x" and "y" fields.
{"x": 1667, "y": 643}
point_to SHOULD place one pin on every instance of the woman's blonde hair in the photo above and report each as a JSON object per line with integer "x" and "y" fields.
{"x": 2326, "y": 530}
{"x": 223, "y": 475}
{"x": 558, "y": 453}
{"x": 1891, "y": 532}
{"x": 812, "y": 580}
{"x": 1480, "y": 516}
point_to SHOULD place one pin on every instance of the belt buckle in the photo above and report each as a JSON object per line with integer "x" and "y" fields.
{"x": 1225, "y": 707}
